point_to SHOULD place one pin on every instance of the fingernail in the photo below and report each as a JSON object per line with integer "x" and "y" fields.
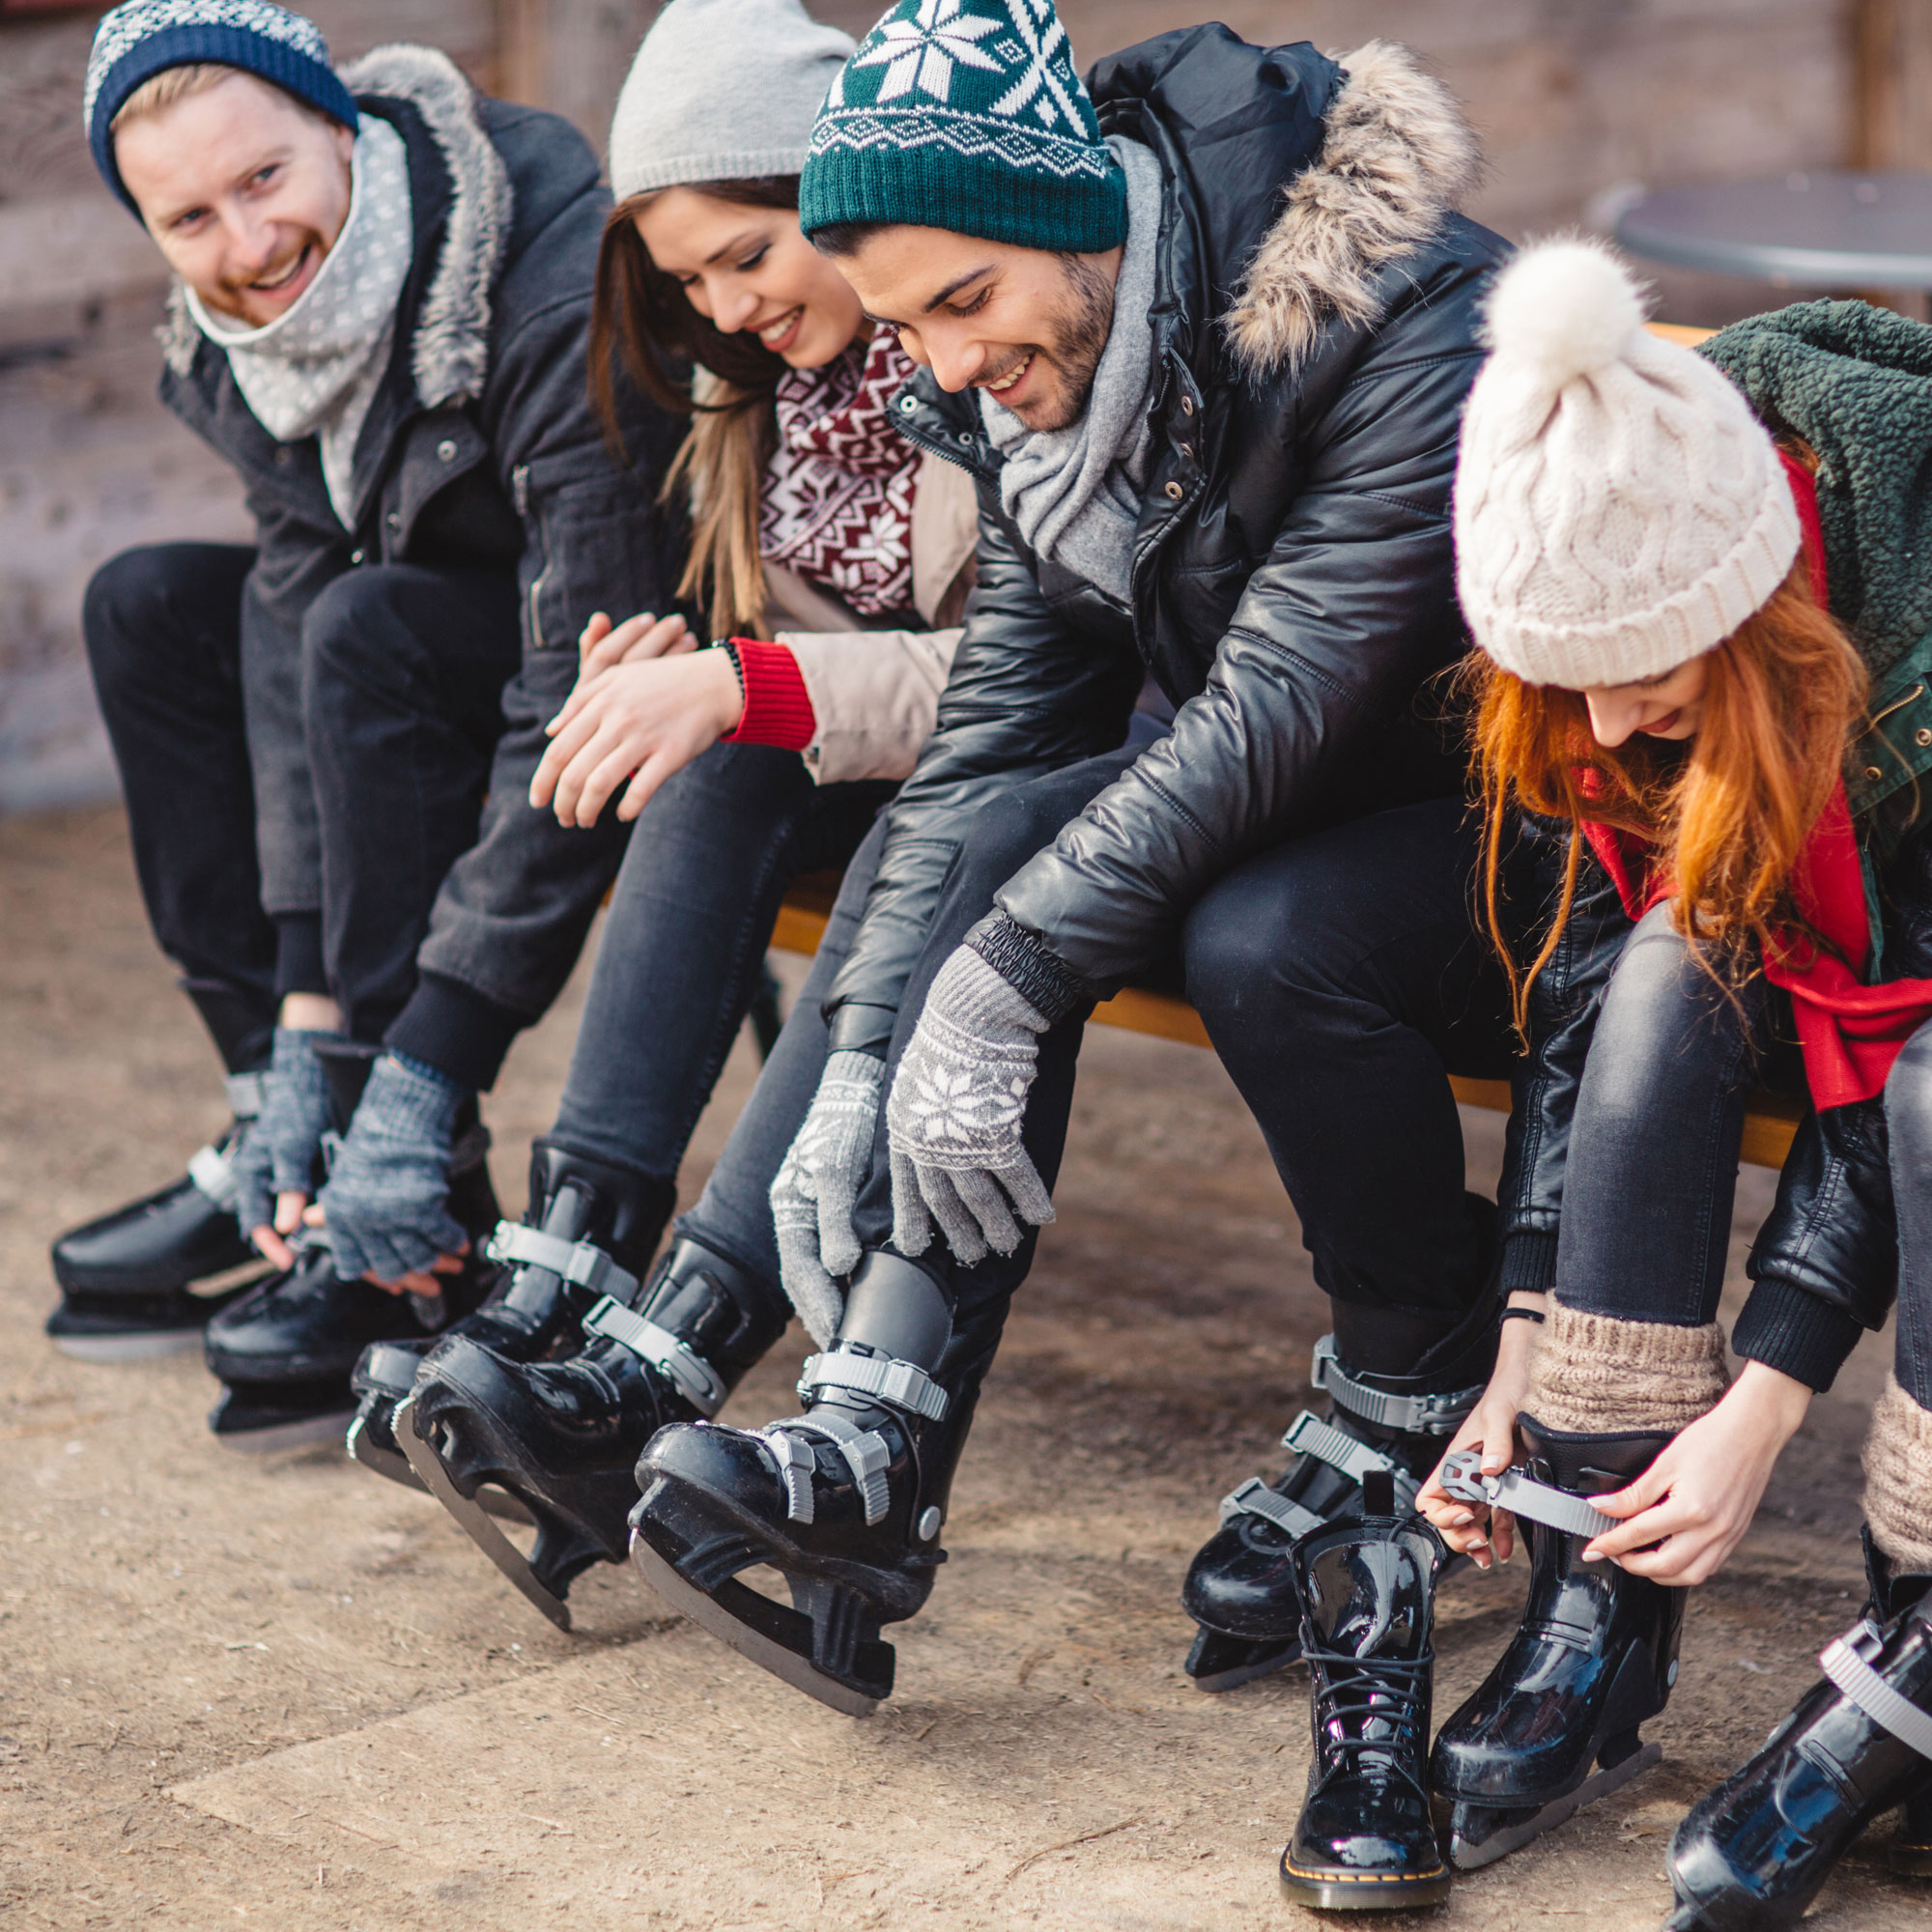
{"x": 1461, "y": 1520}
{"x": 1593, "y": 1556}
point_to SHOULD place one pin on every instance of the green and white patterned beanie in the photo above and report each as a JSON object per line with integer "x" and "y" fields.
{"x": 966, "y": 115}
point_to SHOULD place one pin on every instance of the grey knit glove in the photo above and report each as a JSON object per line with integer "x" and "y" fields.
{"x": 386, "y": 1201}
{"x": 278, "y": 1152}
{"x": 818, "y": 1183}
{"x": 954, "y": 1117}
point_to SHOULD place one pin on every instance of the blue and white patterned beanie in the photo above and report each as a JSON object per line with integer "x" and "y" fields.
{"x": 144, "y": 38}
{"x": 966, "y": 115}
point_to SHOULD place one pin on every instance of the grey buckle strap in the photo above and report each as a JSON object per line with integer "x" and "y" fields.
{"x": 1523, "y": 1497}
{"x": 583, "y": 1262}
{"x": 245, "y": 1094}
{"x": 1255, "y": 1498}
{"x": 213, "y": 1173}
{"x": 696, "y": 1380}
{"x": 1439, "y": 1414}
{"x": 867, "y": 1454}
{"x": 903, "y": 1385}
{"x": 1309, "y": 1435}
{"x": 1845, "y": 1665}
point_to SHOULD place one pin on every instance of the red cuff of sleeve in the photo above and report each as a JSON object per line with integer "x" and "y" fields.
{"x": 778, "y": 707}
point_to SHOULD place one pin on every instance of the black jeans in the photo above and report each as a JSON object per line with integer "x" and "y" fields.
{"x": 683, "y": 948}
{"x": 401, "y": 671}
{"x": 1908, "y": 1120}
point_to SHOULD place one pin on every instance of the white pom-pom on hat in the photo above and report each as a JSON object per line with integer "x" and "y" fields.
{"x": 1565, "y": 309}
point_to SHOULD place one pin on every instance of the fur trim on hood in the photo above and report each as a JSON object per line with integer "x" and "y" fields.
{"x": 1396, "y": 158}
{"x": 450, "y": 352}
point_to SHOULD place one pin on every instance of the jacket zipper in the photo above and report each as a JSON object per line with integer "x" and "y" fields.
{"x": 1898, "y": 704}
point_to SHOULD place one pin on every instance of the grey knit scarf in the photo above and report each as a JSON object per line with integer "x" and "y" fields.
{"x": 1075, "y": 492}
{"x": 315, "y": 369}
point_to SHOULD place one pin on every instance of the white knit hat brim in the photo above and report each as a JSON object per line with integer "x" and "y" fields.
{"x": 716, "y": 165}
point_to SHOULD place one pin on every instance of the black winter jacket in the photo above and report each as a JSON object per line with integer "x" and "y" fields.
{"x": 1316, "y": 332}
{"x": 480, "y": 450}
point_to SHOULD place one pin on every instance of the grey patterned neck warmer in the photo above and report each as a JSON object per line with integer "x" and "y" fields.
{"x": 314, "y": 370}
{"x": 1075, "y": 492}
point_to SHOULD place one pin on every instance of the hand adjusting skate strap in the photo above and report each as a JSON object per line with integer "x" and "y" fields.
{"x": 1437, "y": 1415}
{"x": 1309, "y": 1435}
{"x": 903, "y": 1385}
{"x": 1255, "y": 1498}
{"x": 865, "y": 1450}
{"x": 245, "y": 1094}
{"x": 584, "y": 1263}
{"x": 211, "y": 1171}
{"x": 695, "y": 1380}
{"x": 1521, "y": 1495}
{"x": 1874, "y": 1697}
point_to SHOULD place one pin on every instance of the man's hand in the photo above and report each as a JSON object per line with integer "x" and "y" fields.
{"x": 817, "y": 1185}
{"x": 953, "y": 1117}
{"x": 604, "y": 644}
{"x": 386, "y": 1205}
{"x": 643, "y": 719}
{"x": 274, "y": 1166}
{"x": 1696, "y": 1502}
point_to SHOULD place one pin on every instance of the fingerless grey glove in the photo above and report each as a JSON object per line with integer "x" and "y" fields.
{"x": 279, "y": 1150}
{"x": 954, "y": 1117}
{"x": 385, "y": 1204}
{"x": 817, "y": 1185}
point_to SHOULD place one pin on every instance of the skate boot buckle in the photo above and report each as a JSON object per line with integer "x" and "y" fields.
{"x": 903, "y": 1385}
{"x": 694, "y": 1379}
{"x": 582, "y": 1264}
{"x": 1437, "y": 1415}
{"x": 213, "y": 1173}
{"x": 1523, "y": 1497}
{"x": 1255, "y": 1498}
{"x": 1309, "y": 1435}
{"x": 1846, "y": 1663}
{"x": 867, "y": 1452}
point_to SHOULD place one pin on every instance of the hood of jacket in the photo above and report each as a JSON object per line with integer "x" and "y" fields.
{"x": 463, "y": 222}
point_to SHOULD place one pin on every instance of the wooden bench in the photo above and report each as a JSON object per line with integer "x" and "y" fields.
{"x": 801, "y": 925}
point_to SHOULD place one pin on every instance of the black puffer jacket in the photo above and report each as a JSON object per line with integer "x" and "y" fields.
{"x": 1293, "y": 581}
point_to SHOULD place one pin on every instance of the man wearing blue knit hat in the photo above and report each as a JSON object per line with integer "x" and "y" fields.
{"x": 1201, "y": 330}
{"x": 326, "y": 739}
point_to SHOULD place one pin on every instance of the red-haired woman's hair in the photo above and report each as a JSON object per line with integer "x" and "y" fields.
{"x": 1727, "y": 819}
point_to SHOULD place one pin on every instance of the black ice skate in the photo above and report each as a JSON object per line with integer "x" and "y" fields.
{"x": 1752, "y": 1853}
{"x": 1595, "y": 1657}
{"x": 1240, "y": 1587}
{"x": 286, "y": 1350}
{"x": 583, "y": 1216}
{"x": 126, "y": 1279}
{"x": 846, "y": 1501}
{"x": 562, "y": 1437}
{"x": 1365, "y": 1841}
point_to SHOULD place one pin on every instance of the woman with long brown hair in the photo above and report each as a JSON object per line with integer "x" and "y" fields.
{"x": 1667, "y": 698}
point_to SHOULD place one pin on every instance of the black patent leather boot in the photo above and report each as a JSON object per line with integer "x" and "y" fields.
{"x": 1752, "y": 1853}
{"x": 1594, "y": 1658}
{"x": 126, "y": 1279}
{"x": 584, "y": 1215}
{"x": 1398, "y": 1388}
{"x": 286, "y": 1350}
{"x": 845, "y": 1501}
{"x": 1365, "y": 1840}
{"x": 562, "y": 1437}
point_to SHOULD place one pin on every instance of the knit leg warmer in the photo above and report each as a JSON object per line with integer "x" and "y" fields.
{"x": 1596, "y": 1375}
{"x": 1899, "y": 1480}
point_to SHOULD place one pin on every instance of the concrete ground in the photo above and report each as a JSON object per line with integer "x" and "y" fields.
{"x": 280, "y": 1692}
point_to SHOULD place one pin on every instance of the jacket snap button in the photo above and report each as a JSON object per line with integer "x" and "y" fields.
{"x": 1187, "y": 406}
{"x": 447, "y": 449}
{"x": 1176, "y": 491}
{"x": 1922, "y": 736}
{"x": 355, "y": 557}
{"x": 966, "y": 438}
{"x": 908, "y": 404}
{"x": 1873, "y": 772}
{"x": 394, "y": 522}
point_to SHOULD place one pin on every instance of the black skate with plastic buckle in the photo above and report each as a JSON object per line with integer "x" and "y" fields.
{"x": 1594, "y": 1658}
{"x": 1754, "y": 1852}
{"x": 127, "y": 1280}
{"x": 845, "y": 1501}
{"x": 1240, "y": 1588}
{"x": 562, "y": 1437}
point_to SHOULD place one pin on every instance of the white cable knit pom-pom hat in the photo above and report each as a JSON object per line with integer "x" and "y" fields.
{"x": 1619, "y": 510}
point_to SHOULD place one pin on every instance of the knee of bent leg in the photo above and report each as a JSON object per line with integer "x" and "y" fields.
{"x": 1907, "y": 1102}
{"x": 1665, "y": 1020}
{"x": 344, "y": 629}
{"x": 117, "y": 613}
{"x": 1240, "y": 946}
{"x": 1002, "y": 835}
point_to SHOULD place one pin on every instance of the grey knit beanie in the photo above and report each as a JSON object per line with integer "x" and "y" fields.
{"x": 722, "y": 89}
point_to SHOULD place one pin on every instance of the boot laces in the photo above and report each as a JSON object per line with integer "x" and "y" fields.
{"x": 1370, "y": 1709}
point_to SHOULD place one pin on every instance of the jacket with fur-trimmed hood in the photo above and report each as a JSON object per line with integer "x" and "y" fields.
{"x": 1316, "y": 327}
{"x": 480, "y": 452}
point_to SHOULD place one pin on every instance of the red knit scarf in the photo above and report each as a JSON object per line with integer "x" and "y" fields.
{"x": 1850, "y": 1033}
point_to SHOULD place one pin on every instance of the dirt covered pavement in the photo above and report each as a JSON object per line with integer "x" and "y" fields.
{"x": 280, "y": 1692}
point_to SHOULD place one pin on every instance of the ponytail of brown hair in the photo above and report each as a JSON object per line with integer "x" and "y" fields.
{"x": 642, "y": 320}
{"x": 1728, "y": 821}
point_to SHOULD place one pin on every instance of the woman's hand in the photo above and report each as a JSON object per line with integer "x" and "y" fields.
{"x": 604, "y": 644}
{"x": 641, "y": 719}
{"x": 1491, "y": 1427}
{"x": 1697, "y": 1499}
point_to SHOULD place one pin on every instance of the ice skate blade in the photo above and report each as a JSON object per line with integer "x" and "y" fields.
{"x": 1465, "y": 1855}
{"x": 301, "y": 1434}
{"x": 1910, "y": 1861}
{"x": 1363, "y": 1892}
{"x": 752, "y": 1645}
{"x": 1214, "y": 1682}
{"x": 136, "y": 1346}
{"x": 474, "y": 1518}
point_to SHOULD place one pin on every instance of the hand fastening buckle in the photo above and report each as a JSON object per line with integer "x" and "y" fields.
{"x": 1523, "y": 1497}
{"x": 1255, "y": 1498}
{"x": 1439, "y": 1414}
{"x": 1309, "y": 1435}
{"x": 581, "y": 1263}
{"x": 696, "y": 1380}
{"x": 903, "y": 1385}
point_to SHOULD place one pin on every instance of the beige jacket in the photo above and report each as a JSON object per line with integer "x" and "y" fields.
{"x": 875, "y": 694}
